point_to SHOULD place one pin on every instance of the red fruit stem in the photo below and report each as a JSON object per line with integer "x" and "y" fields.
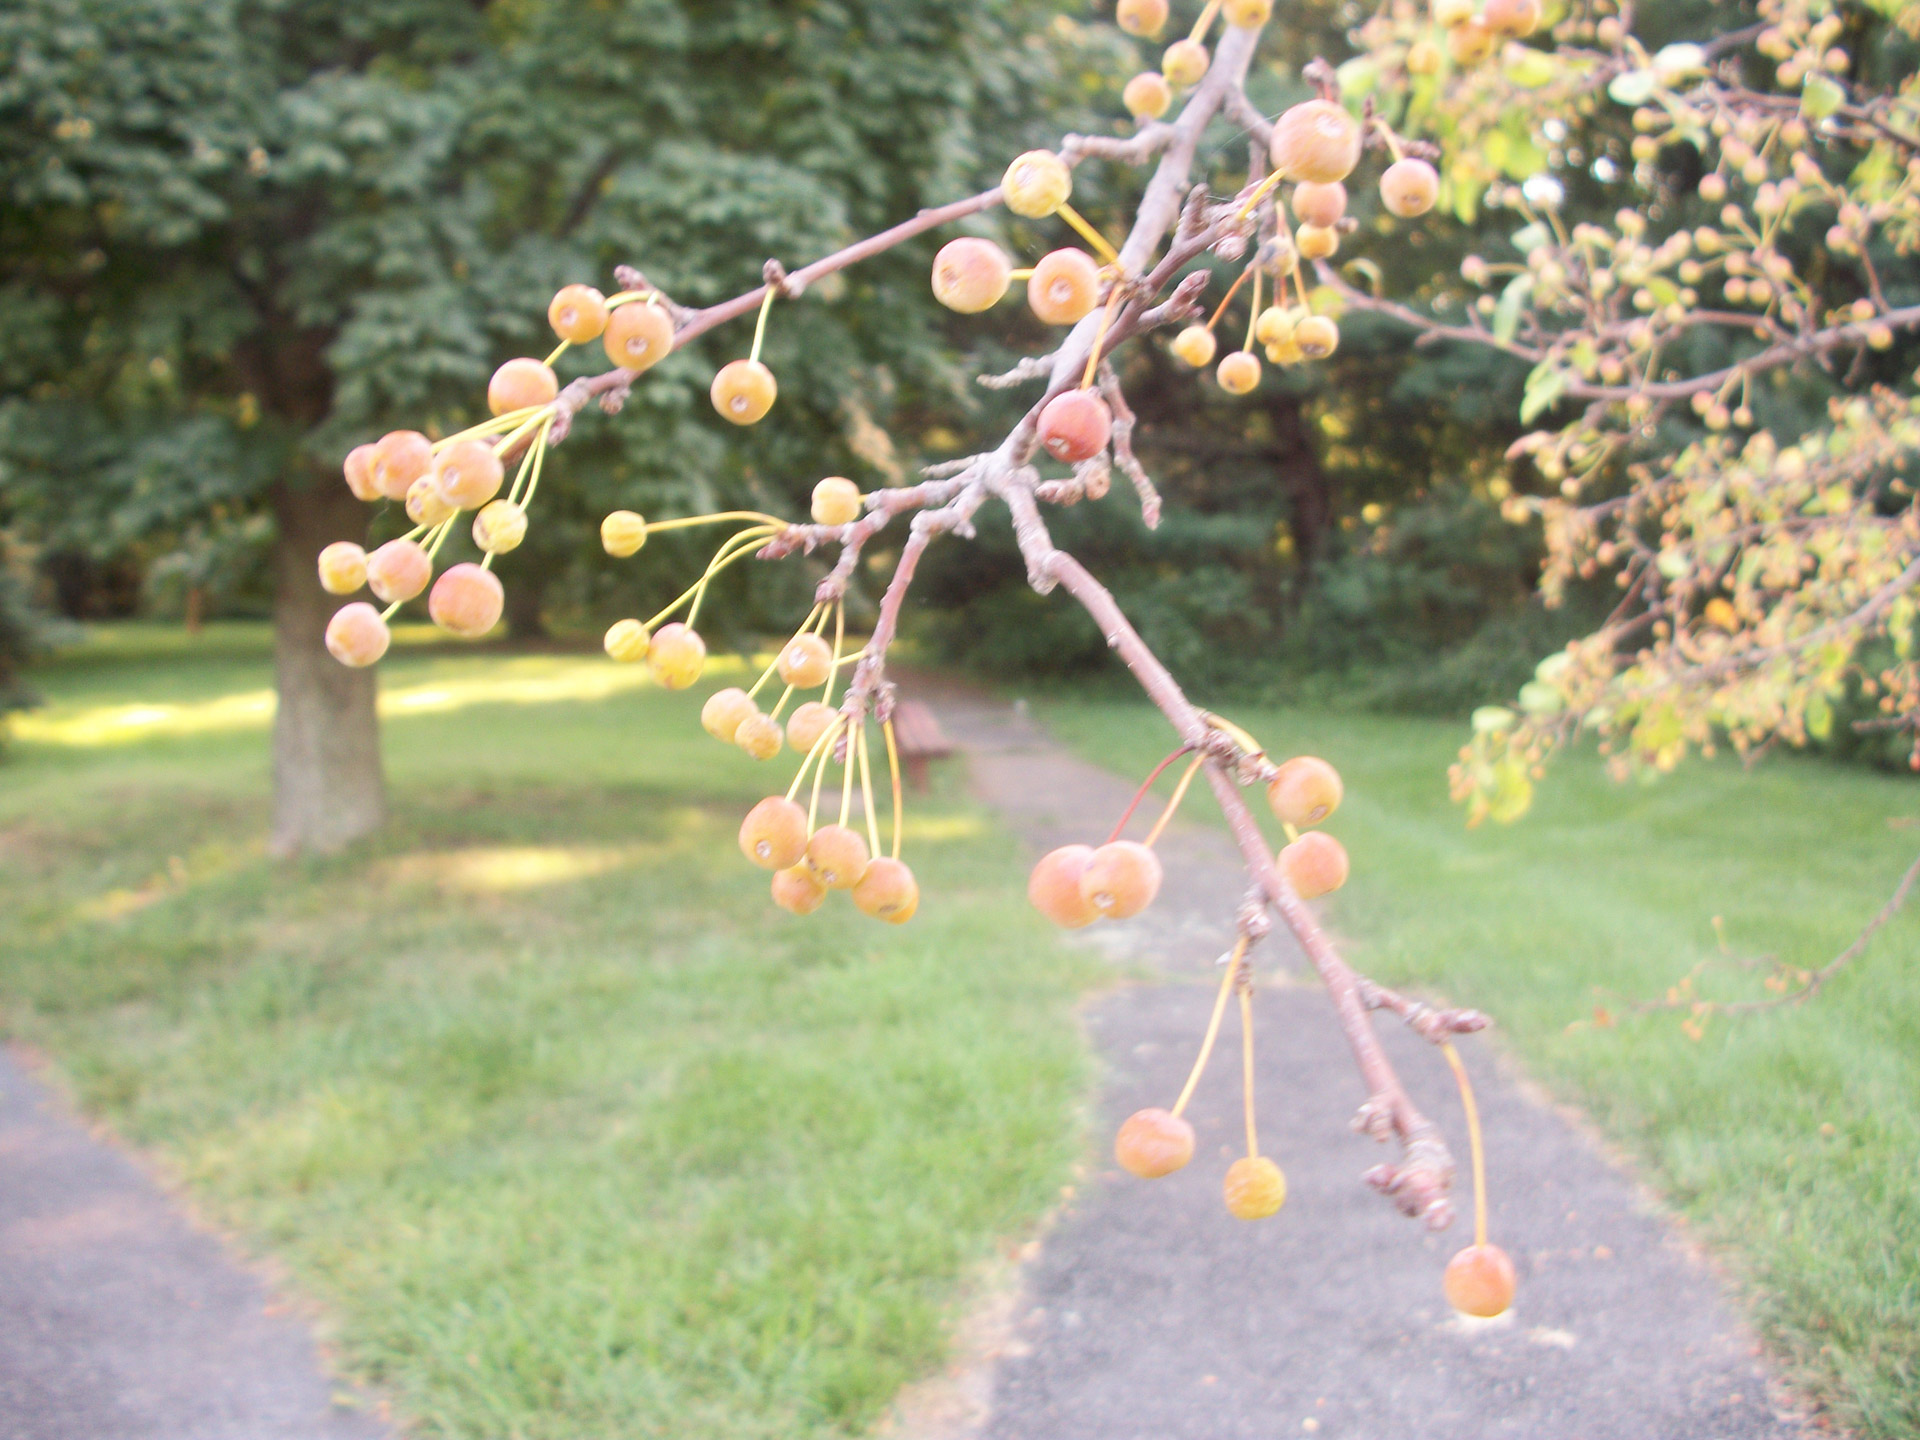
{"x": 1146, "y": 785}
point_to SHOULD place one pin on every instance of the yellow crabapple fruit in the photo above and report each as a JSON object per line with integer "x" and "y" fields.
{"x": 398, "y": 571}
{"x": 1317, "y": 242}
{"x": 638, "y": 336}
{"x": 1141, "y": 17}
{"x": 1449, "y": 13}
{"x": 888, "y": 892}
{"x": 1317, "y": 336}
{"x": 971, "y": 275}
{"x": 1239, "y": 373}
{"x": 1315, "y": 865}
{"x": 807, "y": 724}
{"x": 468, "y": 474}
{"x": 1409, "y": 188}
{"x": 796, "y": 889}
{"x": 425, "y": 504}
{"x": 1254, "y": 1188}
{"x": 359, "y": 472}
{"x": 357, "y": 636}
{"x": 676, "y": 656}
{"x": 622, "y": 534}
{"x": 806, "y": 662}
{"x": 1479, "y": 1282}
{"x": 1195, "y": 346}
{"x": 720, "y": 717}
{"x": 400, "y": 457}
{"x": 1275, "y": 325}
{"x": 744, "y": 391}
{"x": 1148, "y": 96}
{"x": 759, "y": 735}
{"x": 577, "y": 313}
{"x": 1185, "y": 63}
{"x": 1121, "y": 879}
{"x": 343, "y": 568}
{"x": 1316, "y": 141}
{"x": 1424, "y": 58}
{"x": 774, "y": 834}
{"x": 1075, "y": 426}
{"x": 521, "y": 384}
{"x": 1153, "y": 1143}
{"x": 1054, "y": 887}
{"x": 1037, "y": 184}
{"x": 1305, "y": 791}
{"x": 627, "y": 641}
{"x": 1469, "y": 44}
{"x": 467, "y": 601}
{"x": 499, "y": 527}
{"x": 1321, "y": 205}
{"x": 836, "y": 501}
{"x": 1286, "y": 352}
{"x": 1519, "y": 18}
{"x": 1064, "y": 287}
{"x": 1247, "y": 13}
{"x": 837, "y": 856}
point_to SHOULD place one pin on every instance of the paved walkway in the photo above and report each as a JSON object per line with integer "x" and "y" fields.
{"x": 1149, "y": 1314}
{"x": 121, "y": 1321}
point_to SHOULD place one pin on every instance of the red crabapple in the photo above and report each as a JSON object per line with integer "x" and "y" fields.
{"x": 1321, "y": 205}
{"x": 1121, "y": 879}
{"x": 425, "y": 504}
{"x": 1317, "y": 242}
{"x": 1075, "y": 426}
{"x": 720, "y": 717}
{"x": 1185, "y": 63}
{"x": 1141, "y": 17}
{"x": 500, "y": 527}
{"x": 759, "y": 735}
{"x": 1195, "y": 346}
{"x": 806, "y": 662}
{"x": 1305, "y": 791}
{"x": 744, "y": 391}
{"x": 837, "y": 856}
{"x": 1064, "y": 287}
{"x": 398, "y": 571}
{"x": 468, "y": 474}
{"x": 359, "y": 472}
{"x": 888, "y": 892}
{"x": 467, "y": 600}
{"x": 399, "y": 458}
{"x": 971, "y": 275}
{"x": 1054, "y": 887}
{"x": 638, "y": 336}
{"x": 1147, "y": 96}
{"x": 676, "y": 656}
{"x": 627, "y": 641}
{"x": 1316, "y": 141}
{"x": 1315, "y": 865}
{"x": 343, "y": 568}
{"x": 578, "y": 313}
{"x": 1254, "y": 1188}
{"x": 1479, "y": 1281}
{"x": 836, "y": 501}
{"x": 1037, "y": 184}
{"x": 1317, "y": 336}
{"x": 520, "y": 385}
{"x": 1153, "y": 1143}
{"x": 1519, "y": 18}
{"x": 1247, "y": 13}
{"x": 622, "y": 534}
{"x": 1239, "y": 373}
{"x": 796, "y": 889}
{"x": 1409, "y": 188}
{"x": 807, "y": 724}
{"x": 357, "y": 636}
{"x": 774, "y": 834}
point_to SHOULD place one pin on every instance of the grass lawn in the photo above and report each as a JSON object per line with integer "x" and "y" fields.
{"x": 570, "y": 1130}
{"x": 1791, "y": 1140}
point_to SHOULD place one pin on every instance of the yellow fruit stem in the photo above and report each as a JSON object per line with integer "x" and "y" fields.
{"x": 760, "y": 325}
{"x": 866, "y": 795}
{"x": 846, "y": 779}
{"x": 774, "y": 664}
{"x": 1246, "y": 1067}
{"x": 785, "y": 695}
{"x": 1292, "y": 834}
{"x": 826, "y": 738}
{"x": 494, "y": 426}
{"x": 820, "y": 771}
{"x": 1020, "y": 275}
{"x": 718, "y": 517}
{"x": 1092, "y": 236}
{"x": 1253, "y": 315}
{"x": 1239, "y": 737}
{"x": 1205, "y": 22}
{"x": 893, "y": 767}
{"x": 1393, "y": 140}
{"x": 558, "y": 351}
{"x": 839, "y": 643}
{"x": 530, "y": 464}
{"x": 627, "y": 297}
{"x": 1473, "y": 1139}
{"x": 1266, "y": 188}
{"x": 1229, "y": 297}
{"x": 1213, "y": 1026}
{"x": 1173, "y": 805}
{"x": 720, "y": 561}
{"x": 536, "y": 417}
{"x": 1100, "y": 337}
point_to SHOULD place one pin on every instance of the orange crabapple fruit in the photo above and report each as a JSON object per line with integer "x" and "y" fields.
{"x": 359, "y": 473}
{"x": 425, "y": 504}
{"x": 1037, "y": 184}
{"x": 806, "y": 662}
{"x": 1479, "y": 1282}
{"x": 1239, "y": 373}
{"x": 1185, "y": 63}
{"x": 1518, "y": 18}
{"x": 577, "y": 313}
{"x": 499, "y": 527}
{"x": 638, "y": 336}
{"x": 759, "y": 735}
{"x": 836, "y": 501}
{"x": 837, "y": 856}
{"x": 1317, "y": 242}
{"x": 1469, "y": 43}
{"x": 1195, "y": 346}
{"x": 1409, "y": 188}
{"x": 1064, "y": 287}
{"x": 797, "y": 891}
{"x": 1315, "y": 865}
{"x": 774, "y": 834}
{"x": 1316, "y": 141}
{"x": 627, "y": 641}
{"x": 971, "y": 275}
{"x": 1317, "y": 336}
{"x": 1147, "y": 96}
{"x": 720, "y": 717}
{"x": 1054, "y": 887}
{"x": 888, "y": 892}
{"x": 1075, "y": 426}
{"x": 676, "y": 656}
{"x": 1321, "y": 205}
{"x": 1153, "y": 1143}
{"x": 1247, "y": 13}
{"x": 398, "y": 571}
{"x": 343, "y": 568}
{"x": 744, "y": 391}
{"x": 1121, "y": 879}
{"x": 807, "y": 724}
{"x": 467, "y": 601}
{"x": 522, "y": 384}
{"x": 357, "y": 636}
{"x": 1254, "y": 1188}
{"x": 468, "y": 474}
{"x": 622, "y": 534}
{"x": 1305, "y": 791}
{"x": 400, "y": 457}
{"x": 1141, "y": 17}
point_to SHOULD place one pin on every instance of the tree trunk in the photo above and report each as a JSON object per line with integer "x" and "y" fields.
{"x": 328, "y": 786}
{"x": 1309, "y": 492}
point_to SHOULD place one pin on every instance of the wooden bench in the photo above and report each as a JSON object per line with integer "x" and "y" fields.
{"x": 920, "y": 740}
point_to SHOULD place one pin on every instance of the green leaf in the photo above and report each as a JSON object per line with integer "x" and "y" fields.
{"x": 1492, "y": 720}
{"x": 1506, "y": 315}
{"x": 1530, "y": 69}
{"x": 1532, "y": 238}
{"x": 1819, "y": 717}
{"x": 1821, "y": 97}
{"x": 1358, "y": 77}
{"x": 1545, "y": 386}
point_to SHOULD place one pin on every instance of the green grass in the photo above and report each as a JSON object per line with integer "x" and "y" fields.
{"x": 570, "y": 1131}
{"x": 1791, "y": 1139}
